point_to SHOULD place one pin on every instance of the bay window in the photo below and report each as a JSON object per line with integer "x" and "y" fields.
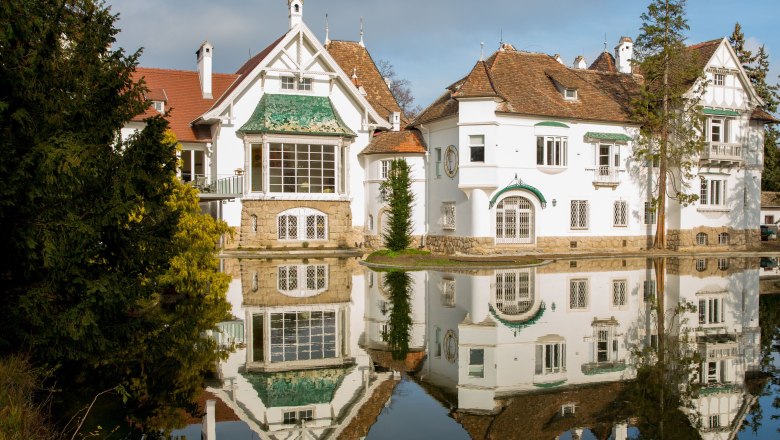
{"x": 551, "y": 150}
{"x": 550, "y": 358}
{"x": 301, "y": 168}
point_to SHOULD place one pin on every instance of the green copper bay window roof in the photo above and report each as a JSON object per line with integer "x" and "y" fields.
{"x": 296, "y": 114}
{"x": 615, "y": 137}
{"x": 720, "y": 112}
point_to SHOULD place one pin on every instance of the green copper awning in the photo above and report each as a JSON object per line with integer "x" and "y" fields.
{"x": 296, "y": 114}
{"x": 720, "y": 112}
{"x": 296, "y": 388}
{"x": 530, "y": 188}
{"x": 517, "y": 325}
{"x": 551, "y": 124}
{"x": 614, "y": 137}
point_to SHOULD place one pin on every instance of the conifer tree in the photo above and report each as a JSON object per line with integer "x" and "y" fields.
{"x": 757, "y": 69}
{"x": 396, "y": 190}
{"x": 668, "y": 108}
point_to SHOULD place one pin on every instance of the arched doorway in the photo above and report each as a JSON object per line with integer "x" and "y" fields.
{"x": 514, "y": 220}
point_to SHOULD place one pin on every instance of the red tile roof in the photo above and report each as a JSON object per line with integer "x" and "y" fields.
{"x": 705, "y": 50}
{"x": 396, "y": 142}
{"x": 352, "y": 57}
{"x": 184, "y": 99}
{"x": 762, "y": 115}
{"x": 527, "y": 82}
{"x": 478, "y": 84}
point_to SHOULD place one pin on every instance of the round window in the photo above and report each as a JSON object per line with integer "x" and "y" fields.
{"x": 451, "y": 161}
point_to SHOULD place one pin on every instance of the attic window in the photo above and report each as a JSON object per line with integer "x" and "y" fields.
{"x": 720, "y": 79}
{"x": 289, "y": 83}
{"x": 159, "y": 106}
{"x": 570, "y": 94}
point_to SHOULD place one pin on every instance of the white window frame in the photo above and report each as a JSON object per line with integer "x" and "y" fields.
{"x": 294, "y": 416}
{"x": 702, "y": 239}
{"x": 476, "y": 142}
{"x": 579, "y": 294}
{"x": 293, "y": 225}
{"x": 287, "y": 83}
{"x": 552, "y": 151}
{"x": 701, "y": 264}
{"x": 712, "y": 192}
{"x": 476, "y": 370}
{"x": 724, "y": 239}
{"x": 384, "y": 168}
{"x": 192, "y": 155}
{"x": 570, "y": 94}
{"x": 580, "y": 214}
{"x": 290, "y": 83}
{"x": 302, "y": 280}
{"x": 605, "y": 334}
{"x": 550, "y": 358}
{"x": 310, "y": 329}
{"x": 438, "y": 162}
{"x": 620, "y": 214}
{"x": 327, "y": 177}
{"x": 723, "y": 126}
{"x": 719, "y": 79}
{"x": 448, "y": 216}
{"x": 514, "y": 291}
{"x": 712, "y": 310}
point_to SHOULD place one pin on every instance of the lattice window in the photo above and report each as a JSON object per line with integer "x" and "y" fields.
{"x": 650, "y": 217}
{"x": 301, "y": 168}
{"x": 723, "y": 263}
{"x": 702, "y": 239}
{"x": 648, "y": 288}
{"x": 287, "y": 278}
{"x": 724, "y": 238}
{"x": 448, "y": 216}
{"x": 514, "y": 221}
{"x": 303, "y": 335}
{"x": 579, "y": 214}
{"x": 302, "y": 224}
{"x": 448, "y": 292}
{"x": 619, "y": 293}
{"x": 701, "y": 264}
{"x": 514, "y": 291}
{"x": 302, "y": 280}
{"x": 620, "y": 213}
{"x": 578, "y": 294}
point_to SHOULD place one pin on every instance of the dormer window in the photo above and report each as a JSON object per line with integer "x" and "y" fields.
{"x": 570, "y": 94}
{"x": 159, "y": 106}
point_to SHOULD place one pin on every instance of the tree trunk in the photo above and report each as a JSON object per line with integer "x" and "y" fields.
{"x": 660, "y": 227}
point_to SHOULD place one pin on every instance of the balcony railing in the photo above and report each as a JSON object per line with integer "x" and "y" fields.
{"x": 605, "y": 175}
{"x": 722, "y": 152}
{"x": 219, "y": 187}
{"x": 713, "y": 351}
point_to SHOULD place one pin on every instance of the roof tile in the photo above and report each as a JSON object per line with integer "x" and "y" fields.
{"x": 394, "y": 142}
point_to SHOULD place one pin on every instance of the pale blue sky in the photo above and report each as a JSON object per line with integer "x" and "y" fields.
{"x": 432, "y": 43}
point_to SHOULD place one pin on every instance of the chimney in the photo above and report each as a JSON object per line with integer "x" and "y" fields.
{"x": 624, "y": 52}
{"x": 395, "y": 121}
{"x": 558, "y": 58}
{"x": 204, "y": 68}
{"x": 296, "y": 12}
{"x": 579, "y": 62}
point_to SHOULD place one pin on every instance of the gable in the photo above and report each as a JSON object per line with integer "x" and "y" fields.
{"x": 297, "y": 54}
{"x": 728, "y": 85}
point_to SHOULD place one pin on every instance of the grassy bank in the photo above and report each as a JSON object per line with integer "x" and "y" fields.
{"x": 420, "y": 259}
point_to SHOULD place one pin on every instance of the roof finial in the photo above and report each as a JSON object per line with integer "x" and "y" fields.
{"x": 605, "y": 41}
{"x": 501, "y": 38}
{"x": 361, "y": 33}
{"x": 327, "y": 30}
{"x": 482, "y": 51}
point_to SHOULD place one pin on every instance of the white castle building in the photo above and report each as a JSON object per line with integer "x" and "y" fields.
{"x": 522, "y": 152}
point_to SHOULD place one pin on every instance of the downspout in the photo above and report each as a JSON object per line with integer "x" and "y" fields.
{"x": 427, "y": 186}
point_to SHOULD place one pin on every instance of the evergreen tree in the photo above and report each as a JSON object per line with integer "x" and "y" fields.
{"x": 108, "y": 268}
{"x": 399, "y": 284}
{"x": 757, "y": 69}
{"x": 396, "y": 190}
{"x": 668, "y": 109}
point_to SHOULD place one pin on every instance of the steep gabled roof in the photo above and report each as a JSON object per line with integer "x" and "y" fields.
{"x": 527, "y": 81}
{"x": 605, "y": 63}
{"x": 182, "y": 93}
{"x": 354, "y": 58}
{"x": 396, "y": 142}
{"x": 760, "y": 114}
{"x": 705, "y": 51}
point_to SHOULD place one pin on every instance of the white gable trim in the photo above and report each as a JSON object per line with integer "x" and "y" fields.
{"x": 300, "y": 31}
{"x": 740, "y": 72}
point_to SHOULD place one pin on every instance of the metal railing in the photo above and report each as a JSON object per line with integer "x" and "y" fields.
{"x": 722, "y": 151}
{"x": 220, "y": 185}
{"x": 606, "y": 174}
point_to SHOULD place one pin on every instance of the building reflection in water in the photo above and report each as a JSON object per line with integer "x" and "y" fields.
{"x": 548, "y": 351}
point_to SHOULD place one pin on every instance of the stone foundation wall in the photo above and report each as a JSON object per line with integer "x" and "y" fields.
{"x": 450, "y": 244}
{"x": 604, "y": 244}
{"x": 376, "y": 242}
{"x": 340, "y": 231}
{"x": 685, "y": 239}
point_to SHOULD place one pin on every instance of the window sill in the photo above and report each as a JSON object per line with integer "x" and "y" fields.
{"x": 713, "y": 209}
{"x": 551, "y": 169}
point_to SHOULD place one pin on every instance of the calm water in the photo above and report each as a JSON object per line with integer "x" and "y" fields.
{"x": 330, "y": 349}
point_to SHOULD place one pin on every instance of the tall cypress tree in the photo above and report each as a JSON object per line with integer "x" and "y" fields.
{"x": 397, "y": 192}
{"x": 667, "y": 109}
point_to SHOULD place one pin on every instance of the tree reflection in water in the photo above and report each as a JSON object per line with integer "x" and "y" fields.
{"x": 398, "y": 284}
{"x": 667, "y": 368}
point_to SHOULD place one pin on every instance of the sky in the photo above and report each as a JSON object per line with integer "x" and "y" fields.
{"x": 431, "y": 43}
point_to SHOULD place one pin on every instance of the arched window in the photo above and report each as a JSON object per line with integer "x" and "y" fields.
{"x": 302, "y": 224}
{"x": 514, "y": 220}
{"x": 723, "y": 238}
{"x": 370, "y": 223}
{"x": 254, "y": 224}
{"x": 514, "y": 292}
{"x": 302, "y": 280}
{"x": 701, "y": 239}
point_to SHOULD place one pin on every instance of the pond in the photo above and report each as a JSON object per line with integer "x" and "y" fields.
{"x": 593, "y": 348}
